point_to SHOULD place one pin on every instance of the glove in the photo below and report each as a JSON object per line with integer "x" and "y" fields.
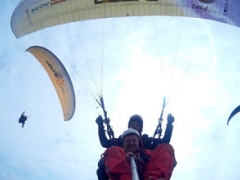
{"x": 99, "y": 120}
{"x": 107, "y": 121}
{"x": 170, "y": 119}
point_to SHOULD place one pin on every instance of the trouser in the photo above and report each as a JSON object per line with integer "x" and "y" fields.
{"x": 160, "y": 164}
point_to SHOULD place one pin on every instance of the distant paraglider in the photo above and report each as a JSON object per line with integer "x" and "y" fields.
{"x": 59, "y": 77}
{"x": 22, "y": 119}
{"x": 233, "y": 113}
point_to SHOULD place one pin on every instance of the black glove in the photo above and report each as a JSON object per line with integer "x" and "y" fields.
{"x": 99, "y": 120}
{"x": 170, "y": 119}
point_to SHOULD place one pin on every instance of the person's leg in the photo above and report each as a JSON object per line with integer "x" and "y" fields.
{"x": 161, "y": 163}
{"x": 116, "y": 164}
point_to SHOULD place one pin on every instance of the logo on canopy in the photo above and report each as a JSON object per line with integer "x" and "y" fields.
{"x": 207, "y": 1}
{"x": 56, "y": 1}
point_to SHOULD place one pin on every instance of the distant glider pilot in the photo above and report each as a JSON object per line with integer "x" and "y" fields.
{"x": 22, "y": 119}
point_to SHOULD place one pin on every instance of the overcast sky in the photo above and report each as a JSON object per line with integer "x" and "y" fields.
{"x": 194, "y": 63}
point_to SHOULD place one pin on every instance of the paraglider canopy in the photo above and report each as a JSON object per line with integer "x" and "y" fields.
{"x": 59, "y": 77}
{"x": 233, "y": 113}
{"x": 33, "y": 15}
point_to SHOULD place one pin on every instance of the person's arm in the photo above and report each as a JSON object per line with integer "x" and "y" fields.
{"x": 149, "y": 142}
{"x": 154, "y": 143}
{"x": 146, "y": 141}
{"x": 119, "y": 141}
{"x": 105, "y": 142}
{"x": 169, "y": 128}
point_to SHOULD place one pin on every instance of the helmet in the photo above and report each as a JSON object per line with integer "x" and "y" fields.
{"x": 136, "y": 118}
{"x": 130, "y": 131}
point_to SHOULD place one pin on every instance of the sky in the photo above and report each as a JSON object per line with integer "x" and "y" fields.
{"x": 194, "y": 63}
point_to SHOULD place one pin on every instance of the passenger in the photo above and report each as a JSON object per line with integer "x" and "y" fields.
{"x": 151, "y": 164}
